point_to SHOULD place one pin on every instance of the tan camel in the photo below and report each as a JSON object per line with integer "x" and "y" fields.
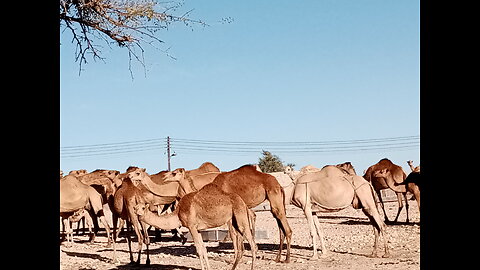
{"x": 126, "y": 197}
{"x": 77, "y": 173}
{"x": 204, "y": 168}
{"x": 255, "y": 187}
{"x": 414, "y": 169}
{"x": 153, "y": 191}
{"x": 102, "y": 182}
{"x": 330, "y": 190}
{"x": 379, "y": 183}
{"x": 188, "y": 184}
{"x": 207, "y": 208}
{"x": 410, "y": 183}
{"x": 76, "y": 218}
{"x": 74, "y": 195}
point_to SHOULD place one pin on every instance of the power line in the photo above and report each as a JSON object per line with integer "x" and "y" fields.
{"x": 245, "y": 147}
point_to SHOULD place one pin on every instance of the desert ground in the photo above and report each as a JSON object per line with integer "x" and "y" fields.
{"x": 348, "y": 233}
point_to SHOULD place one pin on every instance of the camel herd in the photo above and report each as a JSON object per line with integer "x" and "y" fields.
{"x": 206, "y": 198}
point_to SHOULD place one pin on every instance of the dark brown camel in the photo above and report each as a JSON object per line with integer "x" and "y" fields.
{"x": 254, "y": 187}
{"x": 379, "y": 183}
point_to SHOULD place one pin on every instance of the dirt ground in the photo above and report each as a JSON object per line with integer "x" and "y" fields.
{"x": 349, "y": 238}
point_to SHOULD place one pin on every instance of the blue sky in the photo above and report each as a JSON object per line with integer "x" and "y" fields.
{"x": 282, "y": 71}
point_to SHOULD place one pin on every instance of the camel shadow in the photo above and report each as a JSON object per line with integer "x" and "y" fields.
{"x": 87, "y": 255}
{"x": 154, "y": 266}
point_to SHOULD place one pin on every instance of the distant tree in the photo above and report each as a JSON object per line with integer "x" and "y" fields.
{"x": 270, "y": 163}
{"x": 129, "y": 24}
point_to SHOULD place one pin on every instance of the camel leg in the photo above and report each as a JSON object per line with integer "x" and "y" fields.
{"x": 379, "y": 194}
{"x": 138, "y": 232}
{"x": 201, "y": 250}
{"x": 237, "y": 242}
{"x": 406, "y": 205}
{"x": 129, "y": 241}
{"x": 313, "y": 232}
{"x": 147, "y": 241}
{"x": 278, "y": 210}
{"x": 253, "y": 218}
{"x": 365, "y": 195}
{"x": 68, "y": 231}
{"x": 400, "y": 206}
{"x": 320, "y": 234}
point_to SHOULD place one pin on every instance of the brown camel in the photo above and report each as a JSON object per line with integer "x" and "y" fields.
{"x": 414, "y": 169}
{"x": 209, "y": 207}
{"x": 379, "y": 183}
{"x": 330, "y": 190}
{"x": 255, "y": 187}
{"x": 410, "y": 183}
{"x": 74, "y": 195}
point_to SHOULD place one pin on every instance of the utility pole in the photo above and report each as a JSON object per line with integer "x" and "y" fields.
{"x": 168, "y": 152}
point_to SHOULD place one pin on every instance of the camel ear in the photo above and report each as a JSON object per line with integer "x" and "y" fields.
{"x": 143, "y": 170}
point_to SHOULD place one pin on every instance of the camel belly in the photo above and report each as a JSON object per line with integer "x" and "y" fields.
{"x": 325, "y": 196}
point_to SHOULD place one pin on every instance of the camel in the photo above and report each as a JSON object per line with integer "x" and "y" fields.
{"x": 189, "y": 183}
{"x": 126, "y": 197}
{"x": 410, "y": 184}
{"x": 330, "y": 190}
{"x": 77, "y": 173}
{"x": 74, "y": 195}
{"x": 102, "y": 182}
{"x": 204, "y": 168}
{"x": 379, "y": 183}
{"x": 255, "y": 187}
{"x": 153, "y": 191}
{"x": 414, "y": 169}
{"x": 209, "y": 207}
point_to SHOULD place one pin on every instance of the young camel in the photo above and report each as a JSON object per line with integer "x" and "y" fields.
{"x": 209, "y": 207}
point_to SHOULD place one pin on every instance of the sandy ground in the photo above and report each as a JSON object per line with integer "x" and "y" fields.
{"x": 349, "y": 238}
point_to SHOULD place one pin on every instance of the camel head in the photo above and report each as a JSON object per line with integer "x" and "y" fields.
{"x": 111, "y": 174}
{"x": 175, "y": 176}
{"x": 61, "y": 173}
{"x": 380, "y": 173}
{"x": 347, "y": 166}
{"x": 410, "y": 162}
{"x": 137, "y": 175}
{"x": 140, "y": 209}
{"x": 77, "y": 173}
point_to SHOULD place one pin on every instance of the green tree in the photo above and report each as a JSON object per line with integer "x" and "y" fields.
{"x": 270, "y": 162}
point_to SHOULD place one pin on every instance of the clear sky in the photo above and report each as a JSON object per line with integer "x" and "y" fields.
{"x": 282, "y": 71}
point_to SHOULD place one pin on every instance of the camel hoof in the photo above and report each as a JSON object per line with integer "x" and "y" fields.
{"x": 373, "y": 255}
{"x": 286, "y": 261}
{"x": 386, "y": 255}
{"x": 314, "y": 258}
{"x": 147, "y": 263}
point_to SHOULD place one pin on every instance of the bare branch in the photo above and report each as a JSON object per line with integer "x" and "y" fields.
{"x": 127, "y": 23}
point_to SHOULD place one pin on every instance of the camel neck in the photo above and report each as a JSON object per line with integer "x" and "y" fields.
{"x": 164, "y": 222}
